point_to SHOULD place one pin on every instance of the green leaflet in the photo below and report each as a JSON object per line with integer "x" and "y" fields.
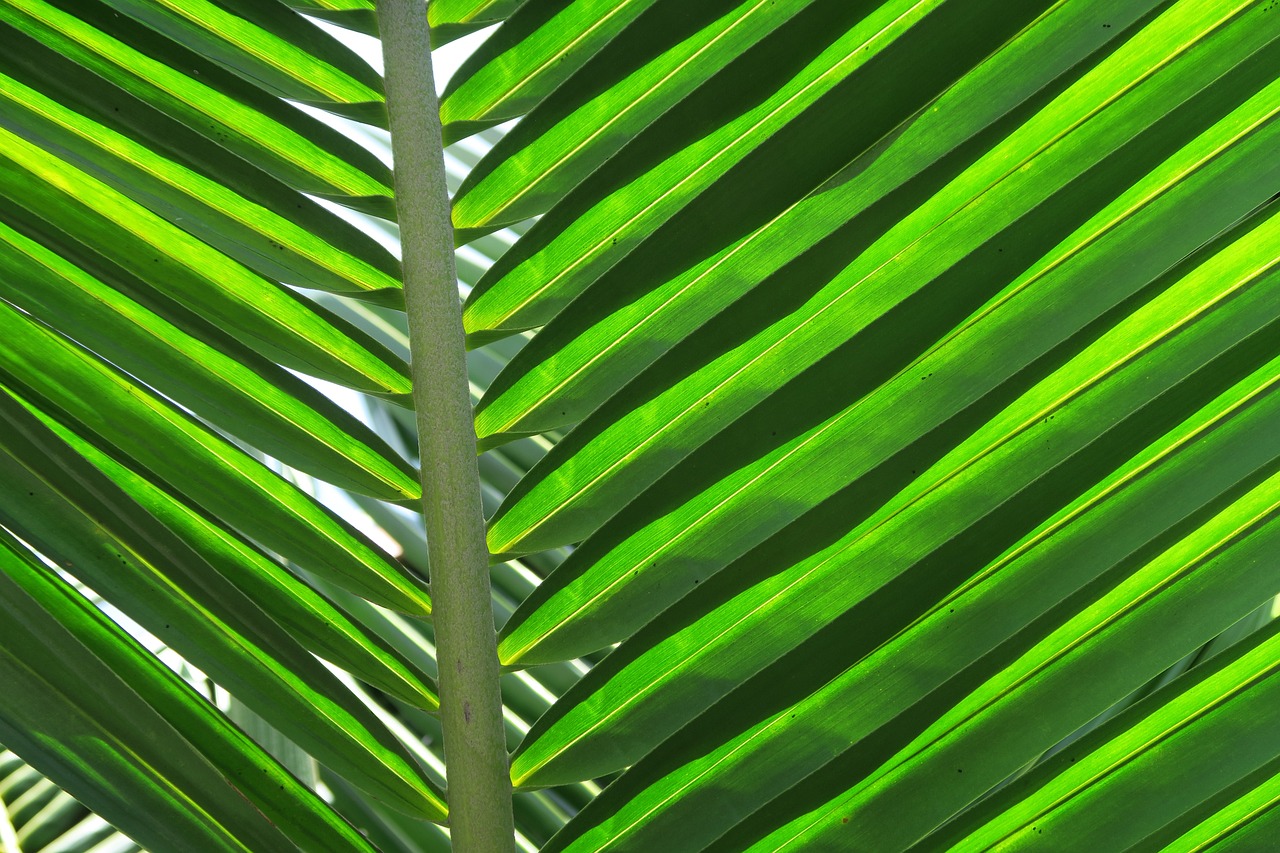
{"x": 274, "y": 320}
{"x": 705, "y": 779}
{"x": 1157, "y": 762}
{"x": 956, "y": 240}
{"x": 106, "y": 407}
{"x": 529, "y": 58}
{"x": 258, "y": 128}
{"x": 261, "y": 239}
{"x": 584, "y": 120}
{"x": 242, "y": 392}
{"x": 385, "y": 828}
{"x": 280, "y": 18}
{"x": 102, "y": 660}
{"x": 355, "y": 15}
{"x": 628, "y": 319}
{"x": 306, "y": 71}
{"x": 152, "y": 800}
{"x": 679, "y": 665}
{"x": 683, "y": 528}
{"x": 312, "y": 619}
{"x": 445, "y": 14}
{"x": 710, "y": 642}
{"x": 95, "y": 99}
{"x": 80, "y": 519}
{"x": 1219, "y": 568}
{"x": 1247, "y": 822}
{"x": 718, "y": 185}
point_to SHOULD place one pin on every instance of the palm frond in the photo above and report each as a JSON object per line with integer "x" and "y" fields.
{"x": 878, "y": 404}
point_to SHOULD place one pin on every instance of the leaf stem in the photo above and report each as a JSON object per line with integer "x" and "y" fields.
{"x": 480, "y": 814}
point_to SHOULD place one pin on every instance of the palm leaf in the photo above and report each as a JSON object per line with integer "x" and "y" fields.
{"x": 883, "y": 401}
{"x": 827, "y": 411}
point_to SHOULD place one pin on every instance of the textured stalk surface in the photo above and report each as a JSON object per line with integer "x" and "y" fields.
{"x": 479, "y": 794}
